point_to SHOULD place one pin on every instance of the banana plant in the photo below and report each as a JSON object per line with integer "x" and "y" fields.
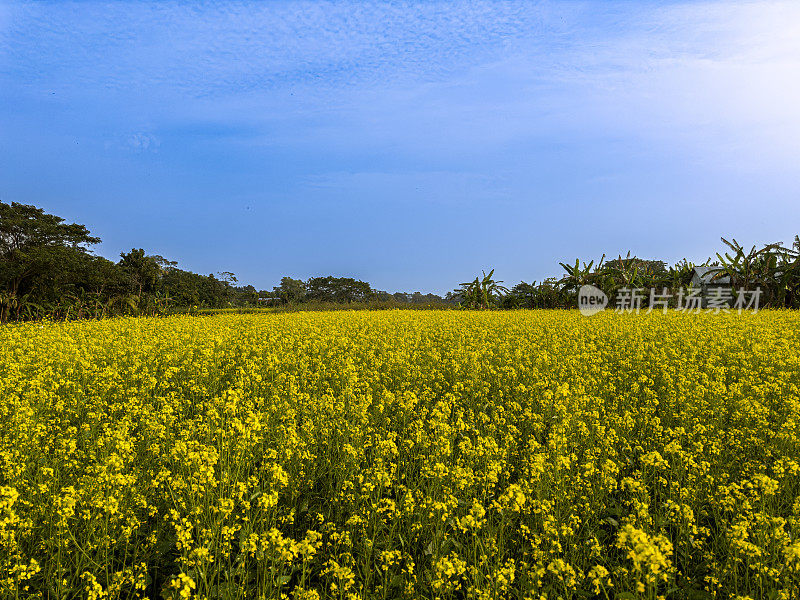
{"x": 162, "y": 300}
{"x": 681, "y": 274}
{"x": 739, "y": 267}
{"x": 627, "y": 271}
{"x": 481, "y": 292}
{"x": 32, "y": 311}
{"x": 779, "y": 274}
{"x": 577, "y": 276}
{"x": 131, "y": 303}
{"x": 773, "y": 269}
{"x": 8, "y": 302}
{"x": 792, "y": 274}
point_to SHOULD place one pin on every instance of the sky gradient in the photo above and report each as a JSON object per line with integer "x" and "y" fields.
{"x": 407, "y": 144}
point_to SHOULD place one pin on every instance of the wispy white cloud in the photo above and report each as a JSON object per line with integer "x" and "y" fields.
{"x": 551, "y": 105}
{"x": 714, "y": 78}
{"x": 217, "y": 48}
{"x": 719, "y": 80}
{"x": 142, "y": 142}
{"x": 716, "y": 81}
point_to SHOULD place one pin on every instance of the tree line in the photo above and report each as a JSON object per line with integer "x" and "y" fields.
{"x": 344, "y": 290}
{"x": 773, "y": 269}
{"x": 47, "y": 269}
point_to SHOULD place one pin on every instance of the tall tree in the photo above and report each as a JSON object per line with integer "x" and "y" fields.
{"x": 143, "y": 271}
{"x": 34, "y": 243}
{"x": 339, "y": 289}
{"x": 290, "y": 290}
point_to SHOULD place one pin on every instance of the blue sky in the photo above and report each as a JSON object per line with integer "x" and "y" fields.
{"x": 407, "y": 144}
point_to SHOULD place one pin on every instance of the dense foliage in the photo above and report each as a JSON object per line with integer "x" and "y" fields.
{"x": 47, "y": 270}
{"x": 774, "y": 269}
{"x": 402, "y": 454}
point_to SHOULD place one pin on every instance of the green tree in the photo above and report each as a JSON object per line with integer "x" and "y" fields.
{"x": 291, "y": 291}
{"x": 142, "y": 270}
{"x": 522, "y": 295}
{"x": 35, "y": 245}
{"x": 339, "y": 289}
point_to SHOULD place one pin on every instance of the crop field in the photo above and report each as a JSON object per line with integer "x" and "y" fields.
{"x": 402, "y": 454}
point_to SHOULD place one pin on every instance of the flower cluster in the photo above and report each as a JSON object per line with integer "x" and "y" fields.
{"x": 402, "y": 454}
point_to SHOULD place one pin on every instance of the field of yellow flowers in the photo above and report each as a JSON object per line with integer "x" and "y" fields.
{"x": 402, "y": 454}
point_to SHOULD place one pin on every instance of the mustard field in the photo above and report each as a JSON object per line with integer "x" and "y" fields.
{"x": 402, "y": 454}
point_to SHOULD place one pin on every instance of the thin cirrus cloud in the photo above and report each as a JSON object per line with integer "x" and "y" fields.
{"x": 534, "y": 108}
{"x": 245, "y": 46}
{"x": 503, "y": 69}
